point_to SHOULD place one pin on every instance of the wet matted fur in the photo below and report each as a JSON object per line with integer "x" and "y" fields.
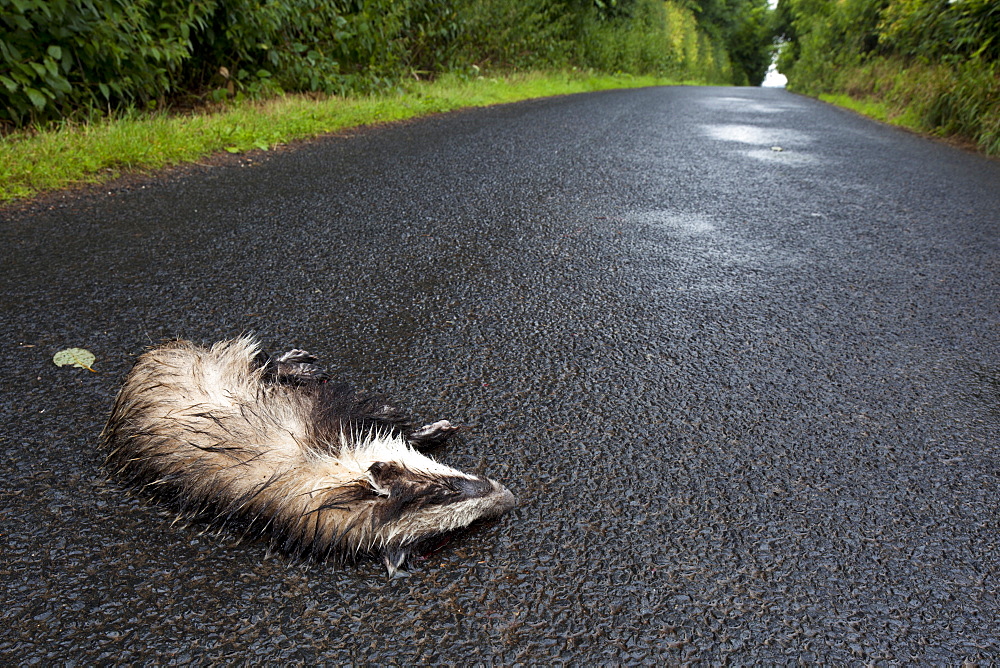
{"x": 234, "y": 436}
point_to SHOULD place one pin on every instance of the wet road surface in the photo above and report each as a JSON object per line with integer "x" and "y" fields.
{"x": 749, "y": 398}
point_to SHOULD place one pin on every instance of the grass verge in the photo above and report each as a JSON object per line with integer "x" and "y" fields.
{"x": 877, "y": 109}
{"x": 34, "y": 162}
{"x": 960, "y": 102}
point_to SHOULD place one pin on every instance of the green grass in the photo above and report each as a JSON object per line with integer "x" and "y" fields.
{"x": 877, "y": 109}
{"x": 34, "y": 162}
{"x": 958, "y": 102}
{"x": 880, "y": 110}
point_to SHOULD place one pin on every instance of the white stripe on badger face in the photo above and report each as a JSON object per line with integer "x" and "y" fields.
{"x": 379, "y": 447}
{"x": 449, "y": 517}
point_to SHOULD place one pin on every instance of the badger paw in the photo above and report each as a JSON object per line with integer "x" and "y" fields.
{"x": 431, "y": 434}
{"x": 395, "y": 562}
{"x": 296, "y": 367}
{"x": 296, "y": 355}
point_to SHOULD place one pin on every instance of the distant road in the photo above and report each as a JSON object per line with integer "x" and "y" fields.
{"x": 736, "y": 351}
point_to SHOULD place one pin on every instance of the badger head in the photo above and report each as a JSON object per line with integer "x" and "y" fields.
{"x": 394, "y": 501}
{"x": 417, "y": 505}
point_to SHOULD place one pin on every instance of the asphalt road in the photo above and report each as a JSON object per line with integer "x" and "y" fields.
{"x": 749, "y": 398}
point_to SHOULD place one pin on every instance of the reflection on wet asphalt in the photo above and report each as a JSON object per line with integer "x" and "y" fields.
{"x": 747, "y": 397}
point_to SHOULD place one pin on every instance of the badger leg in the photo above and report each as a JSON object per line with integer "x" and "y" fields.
{"x": 431, "y": 434}
{"x": 399, "y": 422}
{"x": 295, "y": 367}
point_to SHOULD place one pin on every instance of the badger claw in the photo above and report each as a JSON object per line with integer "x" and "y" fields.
{"x": 297, "y": 355}
{"x": 297, "y": 367}
{"x": 432, "y": 434}
{"x": 395, "y": 562}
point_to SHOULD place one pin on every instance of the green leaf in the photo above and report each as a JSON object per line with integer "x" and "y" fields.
{"x": 78, "y": 357}
{"x": 60, "y": 84}
{"x": 55, "y": 52}
{"x": 36, "y": 97}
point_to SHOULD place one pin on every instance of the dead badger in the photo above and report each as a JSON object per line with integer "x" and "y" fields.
{"x": 238, "y": 437}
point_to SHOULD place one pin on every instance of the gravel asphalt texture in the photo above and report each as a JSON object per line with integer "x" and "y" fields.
{"x": 749, "y": 398}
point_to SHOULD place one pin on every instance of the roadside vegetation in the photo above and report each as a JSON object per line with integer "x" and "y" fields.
{"x": 91, "y": 88}
{"x": 71, "y": 153}
{"x": 931, "y": 65}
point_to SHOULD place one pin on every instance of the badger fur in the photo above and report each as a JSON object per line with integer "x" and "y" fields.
{"x": 236, "y": 437}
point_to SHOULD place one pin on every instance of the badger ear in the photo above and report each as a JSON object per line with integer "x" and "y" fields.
{"x": 381, "y": 475}
{"x": 384, "y": 473}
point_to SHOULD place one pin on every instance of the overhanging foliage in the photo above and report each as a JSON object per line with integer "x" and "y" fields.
{"x": 59, "y": 58}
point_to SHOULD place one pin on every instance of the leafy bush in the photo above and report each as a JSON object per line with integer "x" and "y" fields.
{"x": 638, "y": 43}
{"x": 57, "y": 55}
{"x": 512, "y": 34}
{"x": 64, "y": 57}
{"x": 933, "y": 62}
